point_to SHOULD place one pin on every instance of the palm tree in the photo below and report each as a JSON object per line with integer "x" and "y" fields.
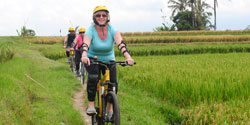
{"x": 201, "y": 6}
{"x": 215, "y": 5}
{"x": 192, "y": 4}
{"x": 199, "y": 15}
{"x": 198, "y": 8}
{"x": 177, "y": 5}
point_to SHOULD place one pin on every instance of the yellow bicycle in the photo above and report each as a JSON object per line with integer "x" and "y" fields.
{"x": 106, "y": 96}
{"x": 72, "y": 60}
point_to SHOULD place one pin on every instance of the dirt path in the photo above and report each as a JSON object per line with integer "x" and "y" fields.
{"x": 79, "y": 104}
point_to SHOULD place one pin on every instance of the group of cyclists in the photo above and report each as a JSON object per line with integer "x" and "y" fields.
{"x": 98, "y": 40}
{"x": 73, "y": 41}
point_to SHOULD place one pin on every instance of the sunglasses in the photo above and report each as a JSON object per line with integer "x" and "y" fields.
{"x": 99, "y": 15}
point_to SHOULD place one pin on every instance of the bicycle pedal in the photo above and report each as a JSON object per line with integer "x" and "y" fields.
{"x": 91, "y": 114}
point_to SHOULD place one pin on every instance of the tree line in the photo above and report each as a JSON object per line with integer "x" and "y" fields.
{"x": 190, "y": 15}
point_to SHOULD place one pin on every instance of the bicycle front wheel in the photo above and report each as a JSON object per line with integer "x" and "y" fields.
{"x": 94, "y": 119}
{"x": 112, "y": 99}
{"x": 71, "y": 63}
{"x": 82, "y": 72}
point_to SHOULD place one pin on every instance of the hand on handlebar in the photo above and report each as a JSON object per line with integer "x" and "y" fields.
{"x": 86, "y": 60}
{"x": 130, "y": 61}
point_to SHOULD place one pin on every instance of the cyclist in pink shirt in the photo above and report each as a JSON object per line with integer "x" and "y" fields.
{"x": 78, "y": 43}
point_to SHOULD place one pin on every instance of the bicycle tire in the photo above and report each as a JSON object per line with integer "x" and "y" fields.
{"x": 99, "y": 120}
{"x": 94, "y": 119}
{"x": 71, "y": 63}
{"x": 74, "y": 63}
{"x": 112, "y": 98}
{"x": 71, "y": 66}
{"x": 82, "y": 72}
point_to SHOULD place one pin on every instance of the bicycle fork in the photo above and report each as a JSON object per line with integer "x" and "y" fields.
{"x": 103, "y": 91}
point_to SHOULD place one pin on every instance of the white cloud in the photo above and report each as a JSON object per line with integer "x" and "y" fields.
{"x": 47, "y": 17}
{"x": 234, "y": 14}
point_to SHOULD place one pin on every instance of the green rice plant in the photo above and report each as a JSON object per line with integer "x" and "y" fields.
{"x": 187, "y": 39}
{"x": 192, "y": 79}
{"x": 45, "y": 40}
{"x": 126, "y": 33}
{"x": 36, "y": 90}
{"x": 147, "y": 33}
{"x": 138, "y": 33}
{"x": 53, "y": 52}
{"x": 178, "y": 49}
{"x": 7, "y": 51}
{"x": 231, "y": 112}
{"x": 208, "y": 88}
{"x": 188, "y": 33}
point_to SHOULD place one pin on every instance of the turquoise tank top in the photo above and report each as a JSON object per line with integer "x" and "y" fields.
{"x": 103, "y": 49}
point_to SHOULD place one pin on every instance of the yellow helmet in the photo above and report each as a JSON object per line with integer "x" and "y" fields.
{"x": 82, "y": 30}
{"x": 101, "y": 7}
{"x": 71, "y": 29}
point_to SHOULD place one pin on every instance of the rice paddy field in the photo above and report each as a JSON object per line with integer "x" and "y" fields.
{"x": 191, "y": 81}
{"x": 201, "y": 78}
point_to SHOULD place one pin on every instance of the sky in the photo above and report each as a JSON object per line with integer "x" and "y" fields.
{"x": 48, "y": 17}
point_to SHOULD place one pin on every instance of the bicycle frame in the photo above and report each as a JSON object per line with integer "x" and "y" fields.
{"x": 72, "y": 52}
{"x": 104, "y": 92}
{"x": 102, "y": 88}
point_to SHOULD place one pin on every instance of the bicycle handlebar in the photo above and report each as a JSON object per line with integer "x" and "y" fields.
{"x": 122, "y": 63}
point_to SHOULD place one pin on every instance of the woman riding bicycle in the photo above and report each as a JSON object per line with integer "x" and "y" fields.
{"x": 68, "y": 41}
{"x": 99, "y": 41}
{"x": 78, "y": 42}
